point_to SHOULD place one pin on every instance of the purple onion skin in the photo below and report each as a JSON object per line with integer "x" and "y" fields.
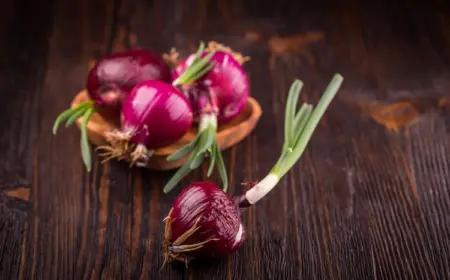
{"x": 227, "y": 84}
{"x": 156, "y": 113}
{"x": 218, "y": 219}
{"x": 114, "y": 76}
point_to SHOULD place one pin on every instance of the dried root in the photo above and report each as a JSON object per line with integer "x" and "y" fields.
{"x": 110, "y": 152}
{"x": 172, "y": 58}
{"x": 118, "y": 147}
{"x": 176, "y": 251}
{"x": 215, "y": 46}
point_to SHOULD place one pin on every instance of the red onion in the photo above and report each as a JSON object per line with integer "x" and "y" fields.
{"x": 154, "y": 114}
{"x": 205, "y": 222}
{"x": 217, "y": 97}
{"x": 109, "y": 82}
{"x": 113, "y": 77}
{"x": 224, "y": 90}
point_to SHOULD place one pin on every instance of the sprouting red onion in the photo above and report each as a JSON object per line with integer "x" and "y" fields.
{"x": 154, "y": 114}
{"x": 115, "y": 75}
{"x": 224, "y": 90}
{"x": 108, "y": 83}
{"x": 205, "y": 222}
{"x": 217, "y": 97}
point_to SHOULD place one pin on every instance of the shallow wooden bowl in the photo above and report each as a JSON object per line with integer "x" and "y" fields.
{"x": 227, "y": 135}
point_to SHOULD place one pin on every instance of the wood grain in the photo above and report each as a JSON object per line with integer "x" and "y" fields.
{"x": 364, "y": 202}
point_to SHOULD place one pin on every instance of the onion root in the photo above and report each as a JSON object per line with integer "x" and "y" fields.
{"x": 175, "y": 251}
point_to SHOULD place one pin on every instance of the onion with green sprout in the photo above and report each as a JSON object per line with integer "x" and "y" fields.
{"x": 205, "y": 222}
{"x": 217, "y": 97}
{"x": 139, "y": 81}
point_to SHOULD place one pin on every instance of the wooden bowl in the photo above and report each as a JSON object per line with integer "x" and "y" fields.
{"x": 228, "y": 134}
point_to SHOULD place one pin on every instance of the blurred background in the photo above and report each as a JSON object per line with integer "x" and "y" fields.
{"x": 368, "y": 200}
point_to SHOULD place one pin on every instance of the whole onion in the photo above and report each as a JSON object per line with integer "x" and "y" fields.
{"x": 205, "y": 222}
{"x": 217, "y": 97}
{"x": 223, "y": 90}
{"x": 114, "y": 76}
{"x": 154, "y": 114}
{"x": 108, "y": 84}
{"x": 212, "y": 228}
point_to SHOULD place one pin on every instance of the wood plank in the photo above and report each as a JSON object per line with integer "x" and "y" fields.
{"x": 368, "y": 200}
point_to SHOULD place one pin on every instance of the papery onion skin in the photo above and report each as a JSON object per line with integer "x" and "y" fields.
{"x": 156, "y": 114}
{"x": 226, "y": 83}
{"x": 219, "y": 223}
{"x": 114, "y": 76}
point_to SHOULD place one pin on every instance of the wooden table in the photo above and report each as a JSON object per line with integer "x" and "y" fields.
{"x": 370, "y": 198}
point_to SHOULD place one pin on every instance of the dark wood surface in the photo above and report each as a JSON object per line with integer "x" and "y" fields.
{"x": 370, "y": 199}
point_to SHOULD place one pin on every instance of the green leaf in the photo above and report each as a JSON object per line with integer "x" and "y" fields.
{"x": 67, "y": 114}
{"x": 76, "y": 115}
{"x": 301, "y": 119}
{"x": 62, "y": 117}
{"x": 206, "y": 140}
{"x": 202, "y": 62}
{"x": 313, "y": 121}
{"x": 291, "y": 105}
{"x": 181, "y": 152}
{"x": 202, "y": 72}
{"x": 199, "y": 52}
{"x": 212, "y": 160}
{"x": 85, "y": 148}
{"x": 222, "y": 168}
{"x": 176, "y": 178}
{"x": 197, "y": 161}
{"x": 301, "y": 115}
{"x": 193, "y": 70}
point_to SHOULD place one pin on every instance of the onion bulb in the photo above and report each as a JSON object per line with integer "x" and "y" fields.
{"x": 205, "y": 222}
{"x": 217, "y": 97}
{"x": 213, "y": 226}
{"x": 112, "y": 78}
{"x": 108, "y": 84}
{"x": 154, "y": 114}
